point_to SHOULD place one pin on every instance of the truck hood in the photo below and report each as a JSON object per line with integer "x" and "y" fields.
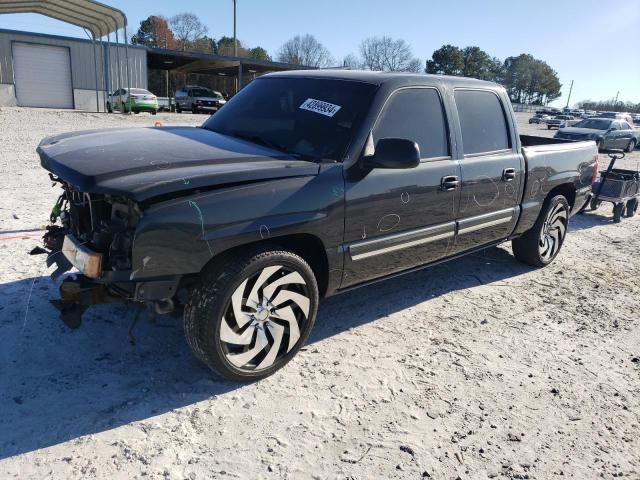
{"x": 142, "y": 163}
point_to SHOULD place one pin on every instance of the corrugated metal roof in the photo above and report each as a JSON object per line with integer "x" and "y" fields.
{"x": 96, "y": 17}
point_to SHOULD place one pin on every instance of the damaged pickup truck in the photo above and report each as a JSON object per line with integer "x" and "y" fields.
{"x": 304, "y": 185}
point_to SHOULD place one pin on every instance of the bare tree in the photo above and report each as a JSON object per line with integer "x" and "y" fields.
{"x": 351, "y": 61}
{"x": 385, "y": 53}
{"x": 187, "y": 28}
{"x": 305, "y": 50}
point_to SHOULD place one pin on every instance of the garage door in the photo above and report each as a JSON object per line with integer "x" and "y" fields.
{"x": 42, "y": 75}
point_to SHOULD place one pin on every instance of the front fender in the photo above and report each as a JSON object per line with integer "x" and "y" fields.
{"x": 180, "y": 236}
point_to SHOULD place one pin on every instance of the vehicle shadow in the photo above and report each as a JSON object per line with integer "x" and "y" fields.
{"x": 57, "y": 384}
{"x": 590, "y": 219}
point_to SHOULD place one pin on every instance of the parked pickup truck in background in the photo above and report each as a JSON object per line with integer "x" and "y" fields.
{"x": 304, "y": 185}
{"x": 560, "y": 121}
{"x": 606, "y": 132}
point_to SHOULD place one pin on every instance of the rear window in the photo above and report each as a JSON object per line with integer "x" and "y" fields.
{"x": 482, "y": 120}
{"x": 415, "y": 114}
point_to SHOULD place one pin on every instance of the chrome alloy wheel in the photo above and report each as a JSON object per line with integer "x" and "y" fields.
{"x": 264, "y": 318}
{"x": 553, "y": 232}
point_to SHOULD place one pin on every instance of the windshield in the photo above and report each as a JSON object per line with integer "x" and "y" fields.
{"x": 204, "y": 92}
{"x": 594, "y": 123}
{"x": 309, "y": 118}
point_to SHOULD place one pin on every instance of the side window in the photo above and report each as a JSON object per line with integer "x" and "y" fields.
{"x": 615, "y": 126}
{"x": 189, "y": 93}
{"x": 482, "y": 120}
{"x": 626, "y": 126}
{"x": 415, "y": 114}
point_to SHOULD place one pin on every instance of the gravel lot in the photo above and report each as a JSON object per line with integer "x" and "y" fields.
{"x": 478, "y": 368}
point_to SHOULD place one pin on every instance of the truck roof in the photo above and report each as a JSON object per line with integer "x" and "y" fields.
{"x": 378, "y": 78}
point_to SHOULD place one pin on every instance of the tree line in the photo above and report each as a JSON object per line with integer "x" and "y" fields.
{"x": 526, "y": 79}
{"x": 610, "y": 106}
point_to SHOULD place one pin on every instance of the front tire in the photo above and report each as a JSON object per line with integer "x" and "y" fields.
{"x": 109, "y": 108}
{"x": 250, "y": 314}
{"x": 178, "y": 108}
{"x": 194, "y": 109}
{"x": 540, "y": 245}
{"x": 618, "y": 210}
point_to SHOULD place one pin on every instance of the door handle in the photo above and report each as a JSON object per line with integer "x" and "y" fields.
{"x": 508, "y": 174}
{"x": 450, "y": 182}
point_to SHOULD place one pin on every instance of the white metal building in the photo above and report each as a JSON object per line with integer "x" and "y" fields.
{"x": 38, "y": 70}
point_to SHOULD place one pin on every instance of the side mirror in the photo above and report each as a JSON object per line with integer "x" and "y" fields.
{"x": 397, "y": 153}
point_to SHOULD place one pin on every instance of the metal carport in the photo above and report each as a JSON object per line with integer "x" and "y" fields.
{"x": 95, "y": 18}
{"x": 213, "y": 64}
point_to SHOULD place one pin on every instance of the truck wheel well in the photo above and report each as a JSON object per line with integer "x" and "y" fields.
{"x": 307, "y": 246}
{"x": 567, "y": 190}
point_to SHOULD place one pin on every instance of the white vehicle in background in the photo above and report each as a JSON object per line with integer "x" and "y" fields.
{"x": 198, "y": 99}
{"x": 134, "y": 100}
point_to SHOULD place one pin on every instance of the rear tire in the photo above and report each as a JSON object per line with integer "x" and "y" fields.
{"x": 632, "y": 208}
{"x": 178, "y": 108}
{"x": 262, "y": 298}
{"x": 632, "y": 146}
{"x": 594, "y": 204}
{"x": 194, "y": 109}
{"x": 153, "y": 112}
{"x": 540, "y": 245}
{"x": 109, "y": 108}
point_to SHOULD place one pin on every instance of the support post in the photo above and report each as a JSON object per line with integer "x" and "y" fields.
{"x": 95, "y": 67}
{"x": 109, "y": 71}
{"x": 240, "y": 73}
{"x": 103, "y": 83}
{"x": 126, "y": 54}
{"x": 119, "y": 72}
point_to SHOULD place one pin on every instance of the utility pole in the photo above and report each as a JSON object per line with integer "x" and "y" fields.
{"x": 235, "y": 40}
{"x": 569, "y": 97}
{"x": 615, "y": 102}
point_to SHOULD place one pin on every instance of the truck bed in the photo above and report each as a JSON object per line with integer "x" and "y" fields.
{"x": 551, "y": 162}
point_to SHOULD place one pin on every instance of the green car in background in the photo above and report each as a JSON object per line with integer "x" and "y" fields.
{"x": 135, "y": 100}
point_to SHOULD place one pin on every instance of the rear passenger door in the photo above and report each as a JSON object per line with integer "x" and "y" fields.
{"x": 491, "y": 167}
{"x": 398, "y": 219}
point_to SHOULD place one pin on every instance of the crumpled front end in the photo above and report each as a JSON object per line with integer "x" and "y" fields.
{"x": 95, "y": 233}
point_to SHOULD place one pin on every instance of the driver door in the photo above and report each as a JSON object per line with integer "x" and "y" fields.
{"x": 396, "y": 219}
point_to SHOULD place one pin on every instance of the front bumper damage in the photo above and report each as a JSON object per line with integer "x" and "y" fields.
{"x": 93, "y": 286}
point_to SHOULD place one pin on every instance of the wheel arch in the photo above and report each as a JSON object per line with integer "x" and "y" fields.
{"x": 567, "y": 190}
{"x": 309, "y": 247}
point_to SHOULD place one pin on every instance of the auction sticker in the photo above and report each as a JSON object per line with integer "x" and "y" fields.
{"x": 318, "y": 106}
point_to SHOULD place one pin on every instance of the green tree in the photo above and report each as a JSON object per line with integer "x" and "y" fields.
{"x": 203, "y": 44}
{"x": 259, "y": 53}
{"x": 155, "y": 32}
{"x": 447, "y": 60}
{"x": 477, "y": 63}
{"x": 530, "y": 80}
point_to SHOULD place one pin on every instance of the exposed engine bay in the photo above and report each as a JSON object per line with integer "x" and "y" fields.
{"x": 105, "y": 224}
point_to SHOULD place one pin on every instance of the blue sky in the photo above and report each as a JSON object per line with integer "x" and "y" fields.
{"x": 593, "y": 42}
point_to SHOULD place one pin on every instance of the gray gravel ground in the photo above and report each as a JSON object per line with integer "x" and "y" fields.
{"x": 478, "y": 368}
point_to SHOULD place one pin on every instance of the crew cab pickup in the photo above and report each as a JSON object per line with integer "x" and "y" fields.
{"x": 304, "y": 185}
